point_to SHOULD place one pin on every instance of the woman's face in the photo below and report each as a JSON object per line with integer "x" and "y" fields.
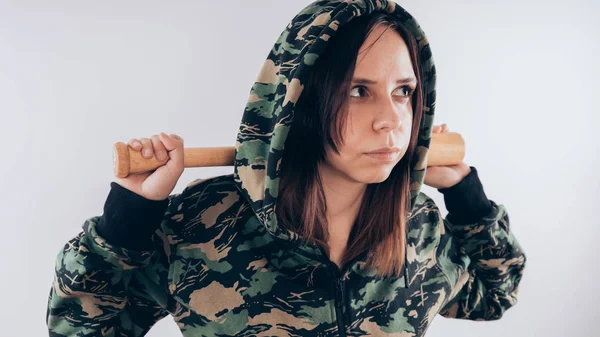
{"x": 379, "y": 111}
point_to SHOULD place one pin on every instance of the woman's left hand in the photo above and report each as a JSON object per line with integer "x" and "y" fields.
{"x": 445, "y": 176}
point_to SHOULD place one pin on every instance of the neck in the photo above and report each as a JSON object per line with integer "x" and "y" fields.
{"x": 343, "y": 200}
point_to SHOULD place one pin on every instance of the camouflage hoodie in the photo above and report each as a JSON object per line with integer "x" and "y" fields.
{"x": 215, "y": 258}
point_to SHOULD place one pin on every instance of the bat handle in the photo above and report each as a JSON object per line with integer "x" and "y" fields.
{"x": 446, "y": 148}
{"x": 127, "y": 160}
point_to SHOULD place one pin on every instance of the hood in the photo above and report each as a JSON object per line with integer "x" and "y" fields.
{"x": 270, "y": 108}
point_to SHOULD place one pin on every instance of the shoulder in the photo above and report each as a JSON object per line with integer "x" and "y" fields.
{"x": 424, "y": 212}
{"x": 436, "y": 242}
{"x": 208, "y": 191}
{"x": 425, "y": 230}
{"x": 423, "y": 200}
{"x": 202, "y": 205}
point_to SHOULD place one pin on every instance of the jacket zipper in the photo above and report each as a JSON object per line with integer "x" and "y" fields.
{"x": 339, "y": 284}
{"x": 339, "y": 305}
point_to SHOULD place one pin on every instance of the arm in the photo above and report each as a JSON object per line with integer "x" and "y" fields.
{"x": 478, "y": 253}
{"x": 100, "y": 287}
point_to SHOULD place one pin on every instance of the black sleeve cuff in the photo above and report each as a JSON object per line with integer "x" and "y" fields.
{"x": 129, "y": 220}
{"x": 466, "y": 201}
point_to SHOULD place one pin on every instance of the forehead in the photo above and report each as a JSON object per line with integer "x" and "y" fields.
{"x": 384, "y": 52}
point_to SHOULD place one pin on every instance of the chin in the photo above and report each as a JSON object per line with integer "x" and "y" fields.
{"x": 376, "y": 176}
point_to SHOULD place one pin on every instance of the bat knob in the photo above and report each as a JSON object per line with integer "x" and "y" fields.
{"x": 121, "y": 161}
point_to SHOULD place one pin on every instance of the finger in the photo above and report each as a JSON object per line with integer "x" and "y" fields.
{"x": 159, "y": 149}
{"x": 435, "y": 128}
{"x": 146, "y": 148}
{"x": 173, "y": 144}
{"x": 135, "y": 144}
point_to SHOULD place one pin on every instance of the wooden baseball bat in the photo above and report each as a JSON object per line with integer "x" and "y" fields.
{"x": 446, "y": 148}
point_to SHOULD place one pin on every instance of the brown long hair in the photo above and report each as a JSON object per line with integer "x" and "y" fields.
{"x": 380, "y": 227}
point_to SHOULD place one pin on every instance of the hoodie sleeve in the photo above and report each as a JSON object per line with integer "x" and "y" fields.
{"x": 106, "y": 280}
{"x": 478, "y": 253}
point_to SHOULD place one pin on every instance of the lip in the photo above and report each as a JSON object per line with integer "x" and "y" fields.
{"x": 387, "y": 154}
{"x": 385, "y": 150}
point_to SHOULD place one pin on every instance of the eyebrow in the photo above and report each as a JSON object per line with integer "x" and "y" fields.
{"x": 368, "y": 81}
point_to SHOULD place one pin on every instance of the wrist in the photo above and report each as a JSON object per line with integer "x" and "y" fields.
{"x": 129, "y": 220}
{"x": 466, "y": 201}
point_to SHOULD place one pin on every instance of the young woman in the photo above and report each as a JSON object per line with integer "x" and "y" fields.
{"x": 322, "y": 228}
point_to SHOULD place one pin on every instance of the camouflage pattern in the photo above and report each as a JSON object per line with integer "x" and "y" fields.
{"x": 221, "y": 266}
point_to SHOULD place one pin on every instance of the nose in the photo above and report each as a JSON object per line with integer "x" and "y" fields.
{"x": 390, "y": 115}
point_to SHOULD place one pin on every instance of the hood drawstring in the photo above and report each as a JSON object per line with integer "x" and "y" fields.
{"x": 406, "y": 231}
{"x": 405, "y": 271}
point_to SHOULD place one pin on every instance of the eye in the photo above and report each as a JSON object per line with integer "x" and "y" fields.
{"x": 408, "y": 90}
{"x": 359, "y": 89}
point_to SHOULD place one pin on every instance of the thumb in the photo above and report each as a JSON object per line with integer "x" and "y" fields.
{"x": 174, "y": 145}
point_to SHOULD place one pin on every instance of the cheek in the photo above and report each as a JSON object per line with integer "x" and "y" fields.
{"x": 348, "y": 160}
{"x": 347, "y": 156}
{"x": 359, "y": 127}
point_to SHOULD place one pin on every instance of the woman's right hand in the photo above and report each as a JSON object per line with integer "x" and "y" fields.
{"x": 157, "y": 184}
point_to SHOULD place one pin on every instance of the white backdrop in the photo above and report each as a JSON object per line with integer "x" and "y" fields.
{"x": 518, "y": 79}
